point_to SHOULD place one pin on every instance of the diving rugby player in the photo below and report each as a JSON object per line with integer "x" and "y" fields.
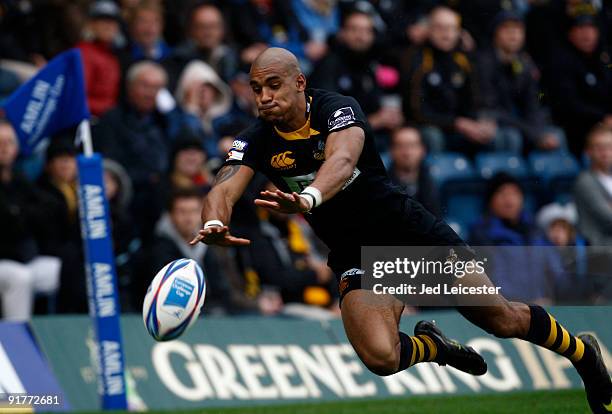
{"x": 318, "y": 149}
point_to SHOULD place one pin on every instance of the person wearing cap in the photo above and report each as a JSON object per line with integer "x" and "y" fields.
{"x": 350, "y": 69}
{"x": 25, "y": 218}
{"x": 510, "y": 88}
{"x": 581, "y": 93}
{"x": 100, "y": 63}
{"x": 188, "y": 165}
{"x": 511, "y": 229}
{"x": 558, "y": 223}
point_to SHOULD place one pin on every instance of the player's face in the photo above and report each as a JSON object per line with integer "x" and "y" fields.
{"x": 276, "y": 93}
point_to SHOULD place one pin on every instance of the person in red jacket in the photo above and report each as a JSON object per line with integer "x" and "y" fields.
{"x": 100, "y": 64}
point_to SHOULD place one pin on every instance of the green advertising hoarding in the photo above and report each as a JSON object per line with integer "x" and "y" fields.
{"x": 251, "y": 360}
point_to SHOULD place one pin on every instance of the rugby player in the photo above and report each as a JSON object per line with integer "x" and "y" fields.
{"x": 318, "y": 149}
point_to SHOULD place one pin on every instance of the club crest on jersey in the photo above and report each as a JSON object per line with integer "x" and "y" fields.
{"x": 341, "y": 118}
{"x": 283, "y": 161}
{"x": 319, "y": 153}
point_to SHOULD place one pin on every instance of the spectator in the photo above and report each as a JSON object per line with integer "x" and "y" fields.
{"x": 558, "y": 222}
{"x": 581, "y": 93}
{"x": 258, "y": 24}
{"x": 126, "y": 244}
{"x": 321, "y": 19}
{"x": 101, "y": 65}
{"x": 24, "y": 216}
{"x": 593, "y": 189}
{"x": 510, "y": 87}
{"x": 205, "y": 42}
{"x": 510, "y": 228}
{"x": 408, "y": 169}
{"x": 439, "y": 92}
{"x": 188, "y": 166}
{"x": 59, "y": 183}
{"x": 350, "y": 70}
{"x": 138, "y": 136}
{"x": 146, "y": 25}
{"x": 174, "y": 231}
{"x": 203, "y": 94}
{"x": 283, "y": 258}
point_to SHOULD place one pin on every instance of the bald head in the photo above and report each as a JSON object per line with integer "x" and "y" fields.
{"x": 279, "y": 86}
{"x": 277, "y": 58}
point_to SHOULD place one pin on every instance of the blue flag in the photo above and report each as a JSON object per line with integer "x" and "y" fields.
{"x": 51, "y": 101}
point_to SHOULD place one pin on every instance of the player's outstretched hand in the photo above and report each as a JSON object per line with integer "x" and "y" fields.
{"x": 283, "y": 202}
{"x": 220, "y": 236}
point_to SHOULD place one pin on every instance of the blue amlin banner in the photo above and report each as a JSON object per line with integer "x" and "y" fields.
{"x": 245, "y": 361}
{"x": 101, "y": 282}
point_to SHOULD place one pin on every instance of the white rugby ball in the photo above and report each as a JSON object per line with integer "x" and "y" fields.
{"x": 174, "y": 299}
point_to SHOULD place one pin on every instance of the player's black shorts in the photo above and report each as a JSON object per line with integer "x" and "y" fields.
{"x": 408, "y": 224}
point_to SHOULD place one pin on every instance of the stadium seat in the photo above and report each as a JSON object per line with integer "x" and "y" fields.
{"x": 490, "y": 163}
{"x": 556, "y": 172}
{"x": 449, "y": 166}
{"x": 553, "y": 165}
{"x": 460, "y": 187}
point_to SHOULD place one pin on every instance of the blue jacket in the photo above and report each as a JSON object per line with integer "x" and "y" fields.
{"x": 518, "y": 258}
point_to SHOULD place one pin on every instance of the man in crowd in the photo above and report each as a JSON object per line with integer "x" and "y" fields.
{"x": 581, "y": 93}
{"x": 350, "y": 70}
{"x": 408, "y": 171}
{"x": 100, "y": 63}
{"x": 205, "y": 42}
{"x": 440, "y": 93}
{"x": 137, "y": 135}
{"x": 25, "y": 215}
{"x": 593, "y": 189}
{"x": 509, "y": 83}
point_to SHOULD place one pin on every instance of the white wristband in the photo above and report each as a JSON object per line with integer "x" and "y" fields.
{"x": 316, "y": 195}
{"x": 213, "y": 223}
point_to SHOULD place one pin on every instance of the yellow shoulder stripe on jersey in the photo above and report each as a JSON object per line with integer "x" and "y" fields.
{"x": 304, "y": 132}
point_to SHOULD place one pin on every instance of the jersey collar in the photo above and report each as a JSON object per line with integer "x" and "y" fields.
{"x": 305, "y": 131}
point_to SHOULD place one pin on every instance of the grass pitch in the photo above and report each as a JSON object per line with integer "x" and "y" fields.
{"x": 542, "y": 402}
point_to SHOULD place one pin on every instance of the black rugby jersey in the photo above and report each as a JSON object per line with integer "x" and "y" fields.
{"x": 369, "y": 210}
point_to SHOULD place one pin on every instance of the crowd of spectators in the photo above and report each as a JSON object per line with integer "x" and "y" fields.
{"x": 167, "y": 86}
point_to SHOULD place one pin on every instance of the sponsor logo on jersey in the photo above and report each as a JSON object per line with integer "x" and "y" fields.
{"x": 319, "y": 153}
{"x": 235, "y": 155}
{"x": 282, "y": 161}
{"x": 355, "y": 174}
{"x": 239, "y": 145}
{"x": 341, "y": 118}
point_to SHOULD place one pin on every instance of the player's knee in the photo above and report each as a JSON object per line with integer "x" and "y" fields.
{"x": 505, "y": 322}
{"x": 381, "y": 359}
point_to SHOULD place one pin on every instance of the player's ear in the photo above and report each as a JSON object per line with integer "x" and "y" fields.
{"x": 300, "y": 82}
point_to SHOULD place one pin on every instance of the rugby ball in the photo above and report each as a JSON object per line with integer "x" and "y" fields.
{"x": 174, "y": 299}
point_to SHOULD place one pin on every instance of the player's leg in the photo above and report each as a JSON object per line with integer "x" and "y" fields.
{"x": 371, "y": 323}
{"x": 534, "y": 324}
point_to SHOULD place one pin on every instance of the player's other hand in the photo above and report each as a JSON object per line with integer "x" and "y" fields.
{"x": 282, "y": 202}
{"x": 220, "y": 236}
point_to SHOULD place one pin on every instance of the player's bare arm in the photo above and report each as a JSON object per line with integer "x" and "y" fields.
{"x": 230, "y": 183}
{"x": 342, "y": 152}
